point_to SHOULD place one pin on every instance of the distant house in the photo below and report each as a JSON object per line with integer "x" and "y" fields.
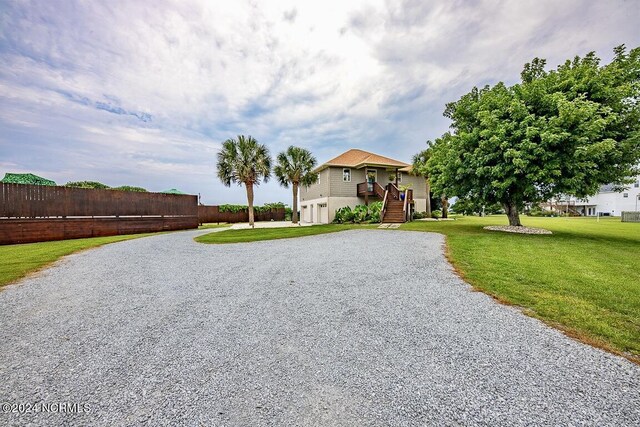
{"x": 611, "y": 203}
{"x": 358, "y": 177}
{"x": 26, "y": 178}
{"x": 606, "y": 202}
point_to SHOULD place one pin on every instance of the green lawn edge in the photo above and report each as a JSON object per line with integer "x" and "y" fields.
{"x": 209, "y": 225}
{"x": 276, "y": 233}
{"x": 21, "y": 260}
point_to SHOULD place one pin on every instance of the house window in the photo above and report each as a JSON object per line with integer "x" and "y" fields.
{"x": 346, "y": 175}
{"x": 399, "y": 176}
{"x": 636, "y": 184}
{"x": 625, "y": 195}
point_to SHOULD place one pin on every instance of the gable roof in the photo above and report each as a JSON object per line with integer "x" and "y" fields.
{"x": 356, "y": 158}
{"x": 26, "y": 178}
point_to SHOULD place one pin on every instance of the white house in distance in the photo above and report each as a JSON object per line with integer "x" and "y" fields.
{"x": 606, "y": 202}
{"x": 611, "y": 203}
{"x": 358, "y": 177}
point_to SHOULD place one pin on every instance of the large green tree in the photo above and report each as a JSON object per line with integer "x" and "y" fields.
{"x": 295, "y": 166}
{"x": 244, "y": 161}
{"x": 561, "y": 132}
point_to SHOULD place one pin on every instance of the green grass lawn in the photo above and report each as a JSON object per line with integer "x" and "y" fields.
{"x": 583, "y": 279}
{"x": 253, "y": 235}
{"x": 213, "y": 225}
{"x": 16, "y": 261}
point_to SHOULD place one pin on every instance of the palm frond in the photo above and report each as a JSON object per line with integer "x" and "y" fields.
{"x": 295, "y": 165}
{"x": 243, "y": 161}
{"x": 419, "y": 166}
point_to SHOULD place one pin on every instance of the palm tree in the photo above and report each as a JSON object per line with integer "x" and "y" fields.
{"x": 420, "y": 169}
{"x": 295, "y": 166}
{"x": 244, "y": 161}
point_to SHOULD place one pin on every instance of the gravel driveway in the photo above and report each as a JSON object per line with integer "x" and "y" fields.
{"x": 364, "y": 327}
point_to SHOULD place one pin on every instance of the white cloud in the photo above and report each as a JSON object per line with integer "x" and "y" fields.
{"x": 325, "y": 75}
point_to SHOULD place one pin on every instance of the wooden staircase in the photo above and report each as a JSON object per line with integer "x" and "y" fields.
{"x": 394, "y": 211}
{"x": 394, "y": 208}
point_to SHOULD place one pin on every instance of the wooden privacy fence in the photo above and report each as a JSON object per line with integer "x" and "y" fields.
{"x": 34, "y": 213}
{"x": 213, "y": 214}
{"x": 630, "y": 216}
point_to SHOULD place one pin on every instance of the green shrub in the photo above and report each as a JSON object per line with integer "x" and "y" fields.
{"x": 256, "y": 209}
{"x": 232, "y": 208}
{"x": 419, "y": 215}
{"x": 471, "y": 206}
{"x": 87, "y": 184}
{"x": 536, "y": 211}
{"x": 374, "y": 212}
{"x": 343, "y": 215}
{"x": 129, "y": 188}
{"x": 436, "y": 213}
{"x": 360, "y": 213}
{"x": 269, "y": 206}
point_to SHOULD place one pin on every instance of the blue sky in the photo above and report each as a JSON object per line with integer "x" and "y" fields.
{"x": 143, "y": 93}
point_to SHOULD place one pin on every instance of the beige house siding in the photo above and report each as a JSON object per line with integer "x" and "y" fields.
{"x": 339, "y": 188}
{"x": 418, "y": 185}
{"x": 317, "y": 190}
{"x": 420, "y": 205}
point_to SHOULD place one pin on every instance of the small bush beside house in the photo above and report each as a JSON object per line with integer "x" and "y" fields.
{"x": 360, "y": 214}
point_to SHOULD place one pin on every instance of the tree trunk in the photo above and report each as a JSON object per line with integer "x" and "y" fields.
{"x": 428, "y": 208}
{"x": 512, "y": 213}
{"x": 294, "y": 215}
{"x": 445, "y": 206}
{"x": 249, "y": 186}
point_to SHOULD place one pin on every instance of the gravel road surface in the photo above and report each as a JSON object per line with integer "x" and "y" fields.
{"x": 363, "y": 327}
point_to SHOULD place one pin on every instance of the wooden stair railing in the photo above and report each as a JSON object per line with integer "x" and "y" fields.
{"x": 405, "y": 204}
{"x": 361, "y": 188}
{"x": 393, "y": 190}
{"x": 384, "y": 205}
{"x": 378, "y": 190}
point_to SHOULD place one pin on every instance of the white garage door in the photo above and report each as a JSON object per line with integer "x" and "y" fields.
{"x": 323, "y": 213}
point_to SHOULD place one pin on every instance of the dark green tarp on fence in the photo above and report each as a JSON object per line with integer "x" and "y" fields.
{"x": 26, "y": 178}
{"x": 172, "y": 191}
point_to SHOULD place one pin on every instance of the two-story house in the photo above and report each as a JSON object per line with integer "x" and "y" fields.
{"x": 358, "y": 177}
{"x": 609, "y": 202}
